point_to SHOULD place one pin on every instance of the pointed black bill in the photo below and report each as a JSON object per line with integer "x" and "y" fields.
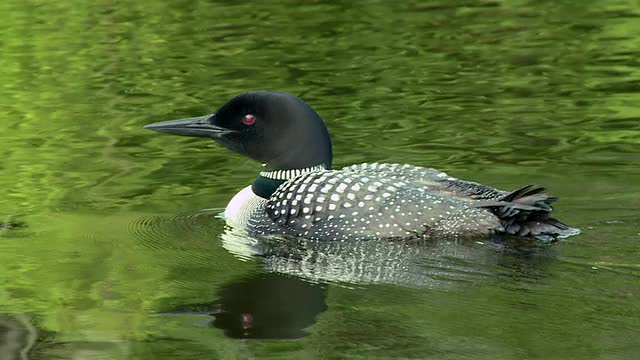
{"x": 197, "y": 126}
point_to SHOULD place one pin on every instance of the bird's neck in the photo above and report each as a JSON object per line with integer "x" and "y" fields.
{"x": 265, "y": 187}
{"x": 268, "y": 181}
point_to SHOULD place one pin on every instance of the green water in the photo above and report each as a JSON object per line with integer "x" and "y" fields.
{"x": 110, "y": 248}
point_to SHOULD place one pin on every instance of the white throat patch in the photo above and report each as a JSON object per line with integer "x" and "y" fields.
{"x": 242, "y": 206}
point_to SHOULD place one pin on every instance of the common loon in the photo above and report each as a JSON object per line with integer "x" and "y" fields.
{"x": 298, "y": 194}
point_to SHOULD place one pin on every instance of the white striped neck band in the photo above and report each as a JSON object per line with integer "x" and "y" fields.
{"x": 291, "y": 173}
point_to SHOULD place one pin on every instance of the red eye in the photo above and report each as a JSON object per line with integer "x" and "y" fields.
{"x": 249, "y": 119}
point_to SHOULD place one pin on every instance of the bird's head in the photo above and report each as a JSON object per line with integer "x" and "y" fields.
{"x": 274, "y": 128}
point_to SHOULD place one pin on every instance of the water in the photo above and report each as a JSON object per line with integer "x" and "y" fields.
{"x": 108, "y": 249}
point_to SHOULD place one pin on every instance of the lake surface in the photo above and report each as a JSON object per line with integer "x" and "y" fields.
{"x": 111, "y": 246}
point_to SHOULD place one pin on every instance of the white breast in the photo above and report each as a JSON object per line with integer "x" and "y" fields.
{"x": 242, "y": 206}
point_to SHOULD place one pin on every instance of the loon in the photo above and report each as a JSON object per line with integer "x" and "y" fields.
{"x": 299, "y": 195}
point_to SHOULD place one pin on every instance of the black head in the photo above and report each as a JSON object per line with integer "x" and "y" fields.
{"x": 274, "y": 128}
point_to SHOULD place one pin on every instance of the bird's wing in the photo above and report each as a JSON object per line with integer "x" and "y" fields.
{"x": 435, "y": 180}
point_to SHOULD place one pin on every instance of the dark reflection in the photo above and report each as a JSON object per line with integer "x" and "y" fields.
{"x": 12, "y": 224}
{"x": 17, "y": 337}
{"x": 266, "y": 306}
{"x": 11, "y": 227}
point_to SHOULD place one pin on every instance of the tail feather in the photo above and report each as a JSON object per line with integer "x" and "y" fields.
{"x": 525, "y": 212}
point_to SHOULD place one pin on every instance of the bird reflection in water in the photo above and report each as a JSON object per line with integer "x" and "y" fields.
{"x": 286, "y": 297}
{"x": 431, "y": 264}
{"x": 265, "y": 306}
